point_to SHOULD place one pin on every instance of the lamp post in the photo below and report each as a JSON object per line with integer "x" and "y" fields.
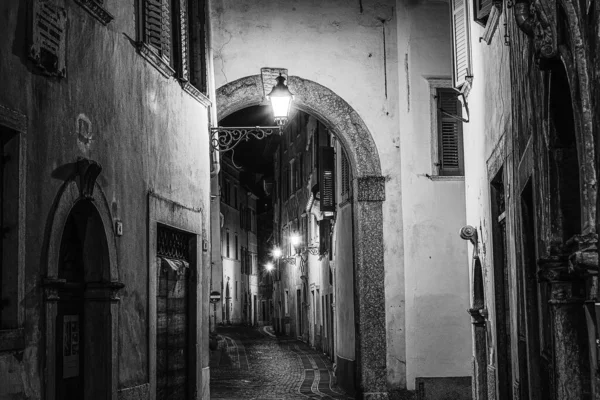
{"x": 227, "y": 138}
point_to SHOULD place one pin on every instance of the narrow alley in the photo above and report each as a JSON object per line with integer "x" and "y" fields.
{"x": 252, "y": 363}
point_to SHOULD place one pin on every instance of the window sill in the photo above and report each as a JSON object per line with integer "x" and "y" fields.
{"x": 96, "y": 10}
{"x": 447, "y": 178}
{"x": 12, "y": 339}
{"x": 155, "y": 60}
{"x": 195, "y": 93}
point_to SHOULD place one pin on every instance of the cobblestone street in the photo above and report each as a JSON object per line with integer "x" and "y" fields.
{"x": 252, "y": 364}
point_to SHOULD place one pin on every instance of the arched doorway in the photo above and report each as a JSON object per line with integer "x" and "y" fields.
{"x": 81, "y": 302}
{"x": 369, "y": 366}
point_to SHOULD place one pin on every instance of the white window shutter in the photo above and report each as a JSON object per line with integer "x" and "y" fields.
{"x": 461, "y": 51}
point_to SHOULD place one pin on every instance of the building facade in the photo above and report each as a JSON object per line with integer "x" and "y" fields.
{"x": 103, "y": 113}
{"x": 370, "y": 73}
{"x": 239, "y": 248}
{"x": 531, "y": 162}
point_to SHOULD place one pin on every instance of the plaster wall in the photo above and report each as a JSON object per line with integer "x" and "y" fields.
{"x": 436, "y": 279}
{"x": 148, "y": 135}
{"x": 490, "y": 109}
{"x": 341, "y": 46}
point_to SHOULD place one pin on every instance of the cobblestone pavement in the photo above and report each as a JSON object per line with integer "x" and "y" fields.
{"x": 252, "y": 364}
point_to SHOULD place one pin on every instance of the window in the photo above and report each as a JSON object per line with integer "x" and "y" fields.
{"x": 235, "y": 197}
{"x": 327, "y": 178}
{"x": 227, "y": 244}
{"x": 482, "y": 9}
{"x": 173, "y": 39}
{"x": 236, "y": 290}
{"x": 461, "y": 44}
{"x": 236, "y": 247}
{"x": 9, "y": 223}
{"x": 286, "y": 305}
{"x": 449, "y": 134}
{"x": 345, "y": 176}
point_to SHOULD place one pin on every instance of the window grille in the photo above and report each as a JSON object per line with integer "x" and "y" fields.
{"x": 172, "y": 243}
{"x": 482, "y": 9}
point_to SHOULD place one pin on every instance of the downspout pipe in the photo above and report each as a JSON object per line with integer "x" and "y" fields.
{"x": 524, "y": 17}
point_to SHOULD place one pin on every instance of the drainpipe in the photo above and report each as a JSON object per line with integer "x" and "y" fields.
{"x": 523, "y": 16}
{"x": 215, "y": 166}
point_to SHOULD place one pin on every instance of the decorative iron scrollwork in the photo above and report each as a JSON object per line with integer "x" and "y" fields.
{"x": 225, "y": 139}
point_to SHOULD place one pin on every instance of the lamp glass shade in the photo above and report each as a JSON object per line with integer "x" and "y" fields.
{"x": 281, "y": 99}
{"x": 281, "y": 106}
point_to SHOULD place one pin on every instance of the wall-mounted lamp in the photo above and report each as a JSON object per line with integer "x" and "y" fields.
{"x": 227, "y": 138}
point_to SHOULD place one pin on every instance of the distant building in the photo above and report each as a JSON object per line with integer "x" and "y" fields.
{"x": 239, "y": 248}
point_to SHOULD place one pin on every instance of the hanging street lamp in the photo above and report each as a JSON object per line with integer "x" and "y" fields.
{"x": 227, "y": 138}
{"x": 281, "y": 100}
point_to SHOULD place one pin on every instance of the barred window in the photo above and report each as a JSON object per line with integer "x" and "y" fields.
{"x": 172, "y": 243}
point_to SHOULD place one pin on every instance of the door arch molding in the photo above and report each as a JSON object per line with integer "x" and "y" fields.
{"x": 104, "y": 292}
{"x": 369, "y": 189}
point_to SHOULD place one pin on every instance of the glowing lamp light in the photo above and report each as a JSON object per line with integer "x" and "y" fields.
{"x": 276, "y": 252}
{"x": 269, "y": 267}
{"x": 281, "y": 99}
{"x": 295, "y": 240}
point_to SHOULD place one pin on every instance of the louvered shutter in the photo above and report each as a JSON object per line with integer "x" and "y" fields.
{"x": 461, "y": 53}
{"x": 327, "y": 178}
{"x": 157, "y": 27}
{"x": 449, "y": 134}
{"x": 324, "y": 233}
{"x": 345, "y": 174}
{"x": 482, "y": 9}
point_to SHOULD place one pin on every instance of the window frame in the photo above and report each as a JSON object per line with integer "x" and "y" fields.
{"x": 14, "y": 338}
{"x": 434, "y": 85}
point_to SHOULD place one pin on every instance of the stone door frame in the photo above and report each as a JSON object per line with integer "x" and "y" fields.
{"x": 369, "y": 188}
{"x": 68, "y": 196}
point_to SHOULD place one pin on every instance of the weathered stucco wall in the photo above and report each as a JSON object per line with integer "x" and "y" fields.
{"x": 148, "y": 135}
{"x": 490, "y": 111}
{"x": 436, "y": 278}
{"x": 353, "y": 50}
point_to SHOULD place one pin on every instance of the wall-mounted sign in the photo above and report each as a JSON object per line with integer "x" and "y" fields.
{"x": 70, "y": 346}
{"x": 215, "y": 297}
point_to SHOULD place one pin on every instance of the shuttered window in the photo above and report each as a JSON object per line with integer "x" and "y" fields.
{"x": 450, "y": 147}
{"x": 345, "y": 174}
{"x": 327, "y": 178}
{"x": 324, "y": 236}
{"x": 197, "y": 43}
{"x": 157, "y": 27}
{"x": 482, "y": 9}
{"x": 461, "y": 52}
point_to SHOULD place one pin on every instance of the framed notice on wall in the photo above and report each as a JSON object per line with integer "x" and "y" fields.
{"x": 70, "y": 346}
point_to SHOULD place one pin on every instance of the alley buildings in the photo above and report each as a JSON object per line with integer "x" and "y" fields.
{"x": 434, "y": 194}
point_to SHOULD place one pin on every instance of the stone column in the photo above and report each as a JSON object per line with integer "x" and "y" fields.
{"x": 369, "y": 288}
{"x": 567, "y": 296}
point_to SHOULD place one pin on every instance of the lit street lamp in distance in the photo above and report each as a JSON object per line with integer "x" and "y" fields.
{"x": 269, "y": 267}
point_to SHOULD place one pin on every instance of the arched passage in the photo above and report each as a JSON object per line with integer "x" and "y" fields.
{"x": 369, "y": 189}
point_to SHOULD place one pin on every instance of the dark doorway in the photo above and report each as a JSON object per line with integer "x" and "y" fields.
{"x": 82, "y": 325}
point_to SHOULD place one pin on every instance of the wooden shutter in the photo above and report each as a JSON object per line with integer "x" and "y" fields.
{"x": 324, "y": 233}
{"x": 197, "y": 43}
{"x": 327, "y": 178}
{"x": 461, "y": 52}
{"x": 157, "y": 27}
{"x": 345, "y": 174}
{"x": 482, "y": 9}
{"x": 449, "y": 134}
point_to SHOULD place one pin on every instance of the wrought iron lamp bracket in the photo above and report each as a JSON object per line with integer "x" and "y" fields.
{"x": 289, "y": 260}
{"x": 227, "y": 138}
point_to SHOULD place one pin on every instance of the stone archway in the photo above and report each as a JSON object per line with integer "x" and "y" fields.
{"x": 369, "y": 187}
{"x": 99, "y": 291}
